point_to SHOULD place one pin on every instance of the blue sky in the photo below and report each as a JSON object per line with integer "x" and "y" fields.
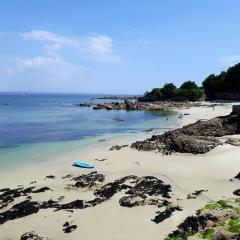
{"x": 114, "y": 46}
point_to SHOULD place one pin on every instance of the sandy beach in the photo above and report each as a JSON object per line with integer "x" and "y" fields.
{"x": 186, "y": 173}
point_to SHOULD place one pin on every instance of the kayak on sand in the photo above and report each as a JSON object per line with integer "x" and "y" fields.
{"x": 82, "y": 164}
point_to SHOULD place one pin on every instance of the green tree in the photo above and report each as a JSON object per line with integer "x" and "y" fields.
{"x": 168, "y": 90}
{"x": 189, "y": 85}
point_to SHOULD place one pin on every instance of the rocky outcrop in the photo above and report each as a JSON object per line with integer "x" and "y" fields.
{"x": 118, "y": 97}
{"x": 135, "y": 105}
{"x": 199, "y": 137}
{"x": 217, "y": 221}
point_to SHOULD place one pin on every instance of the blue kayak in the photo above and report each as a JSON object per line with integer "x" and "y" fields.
{"x": 82, "y": 164}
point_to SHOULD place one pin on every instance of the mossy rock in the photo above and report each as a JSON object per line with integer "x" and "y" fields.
{"x": 234, "y": 225}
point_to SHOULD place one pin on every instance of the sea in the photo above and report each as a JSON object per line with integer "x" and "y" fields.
{"x": 37, "y": 125}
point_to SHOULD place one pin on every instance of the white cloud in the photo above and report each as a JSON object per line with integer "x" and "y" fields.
{"x": 230, "y": 60}
{"x": 46, "y": 36}
{"x": 99, "y": 44}
{"x": 53, "y": 68}
{"x": 43, "y": 73}
{"x": 94, "y": 48}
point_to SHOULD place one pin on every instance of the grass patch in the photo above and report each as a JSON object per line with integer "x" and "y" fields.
{"x": 234, "y": 226}
{"x": 207, "y": 234}
{"x": 221, "y": 204}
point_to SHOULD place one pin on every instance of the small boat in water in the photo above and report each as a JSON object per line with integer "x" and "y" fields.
{"x": 82, "y": 164}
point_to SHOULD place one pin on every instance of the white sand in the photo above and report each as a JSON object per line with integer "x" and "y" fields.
{"x": 109, "y": 221}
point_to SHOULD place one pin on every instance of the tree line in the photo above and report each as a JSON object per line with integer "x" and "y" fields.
{"x": 187, "y": 91}
{"x": 225, "y": 85}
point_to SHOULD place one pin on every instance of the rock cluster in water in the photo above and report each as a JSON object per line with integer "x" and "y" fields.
{"x": 136, "y": 105}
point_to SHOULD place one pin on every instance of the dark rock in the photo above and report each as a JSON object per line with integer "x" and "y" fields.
{"x": 102, "y": 140}
{"x": 49, "y": 204}
{"x": 50, "y": 177}
{"x": 94, "y": 202}
{"x": 83, "y": 105}
{"x": 198, "y": 192}
{"x": 237, "y": 192}
{"x": 4, "y": 189}
{"x": 88, "y": 180}
{"x": 149, "y": 190}
{"x": 43, "y": 189}
{"x": 10, "y": 194}
{"x": 77, "y": 204}
{"x": 19, "y": 210}
{"x": 109, "y": 189}
{"x": 192, "y": 225}
{"x": 161, "y": 216}
{"x": 66, "y": 224}
{"x": 237, "y": 176}
{"x": 235, "y": 110}
{"x": 140, "y": 191}
{"x": 233, "y": 141}
{"x": 100, "y": 160}
{"x": 117, "y": 147}
{"x": 70, "y": 228}
{"x": 30, "y": 236}
{"x": 199, "y": 137}
{"x": 67, "y": 176}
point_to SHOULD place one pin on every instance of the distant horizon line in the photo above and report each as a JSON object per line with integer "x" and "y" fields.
{"x": 73, "y": 93}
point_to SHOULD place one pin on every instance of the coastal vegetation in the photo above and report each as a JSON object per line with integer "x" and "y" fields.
{"x": 225, "y": 85}
{"x": 187, "y": 91}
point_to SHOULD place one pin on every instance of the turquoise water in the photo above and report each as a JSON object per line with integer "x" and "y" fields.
{"x": 34, "y": 126}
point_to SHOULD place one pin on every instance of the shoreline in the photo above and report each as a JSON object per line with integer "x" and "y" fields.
{"x": 186, "y": 173}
